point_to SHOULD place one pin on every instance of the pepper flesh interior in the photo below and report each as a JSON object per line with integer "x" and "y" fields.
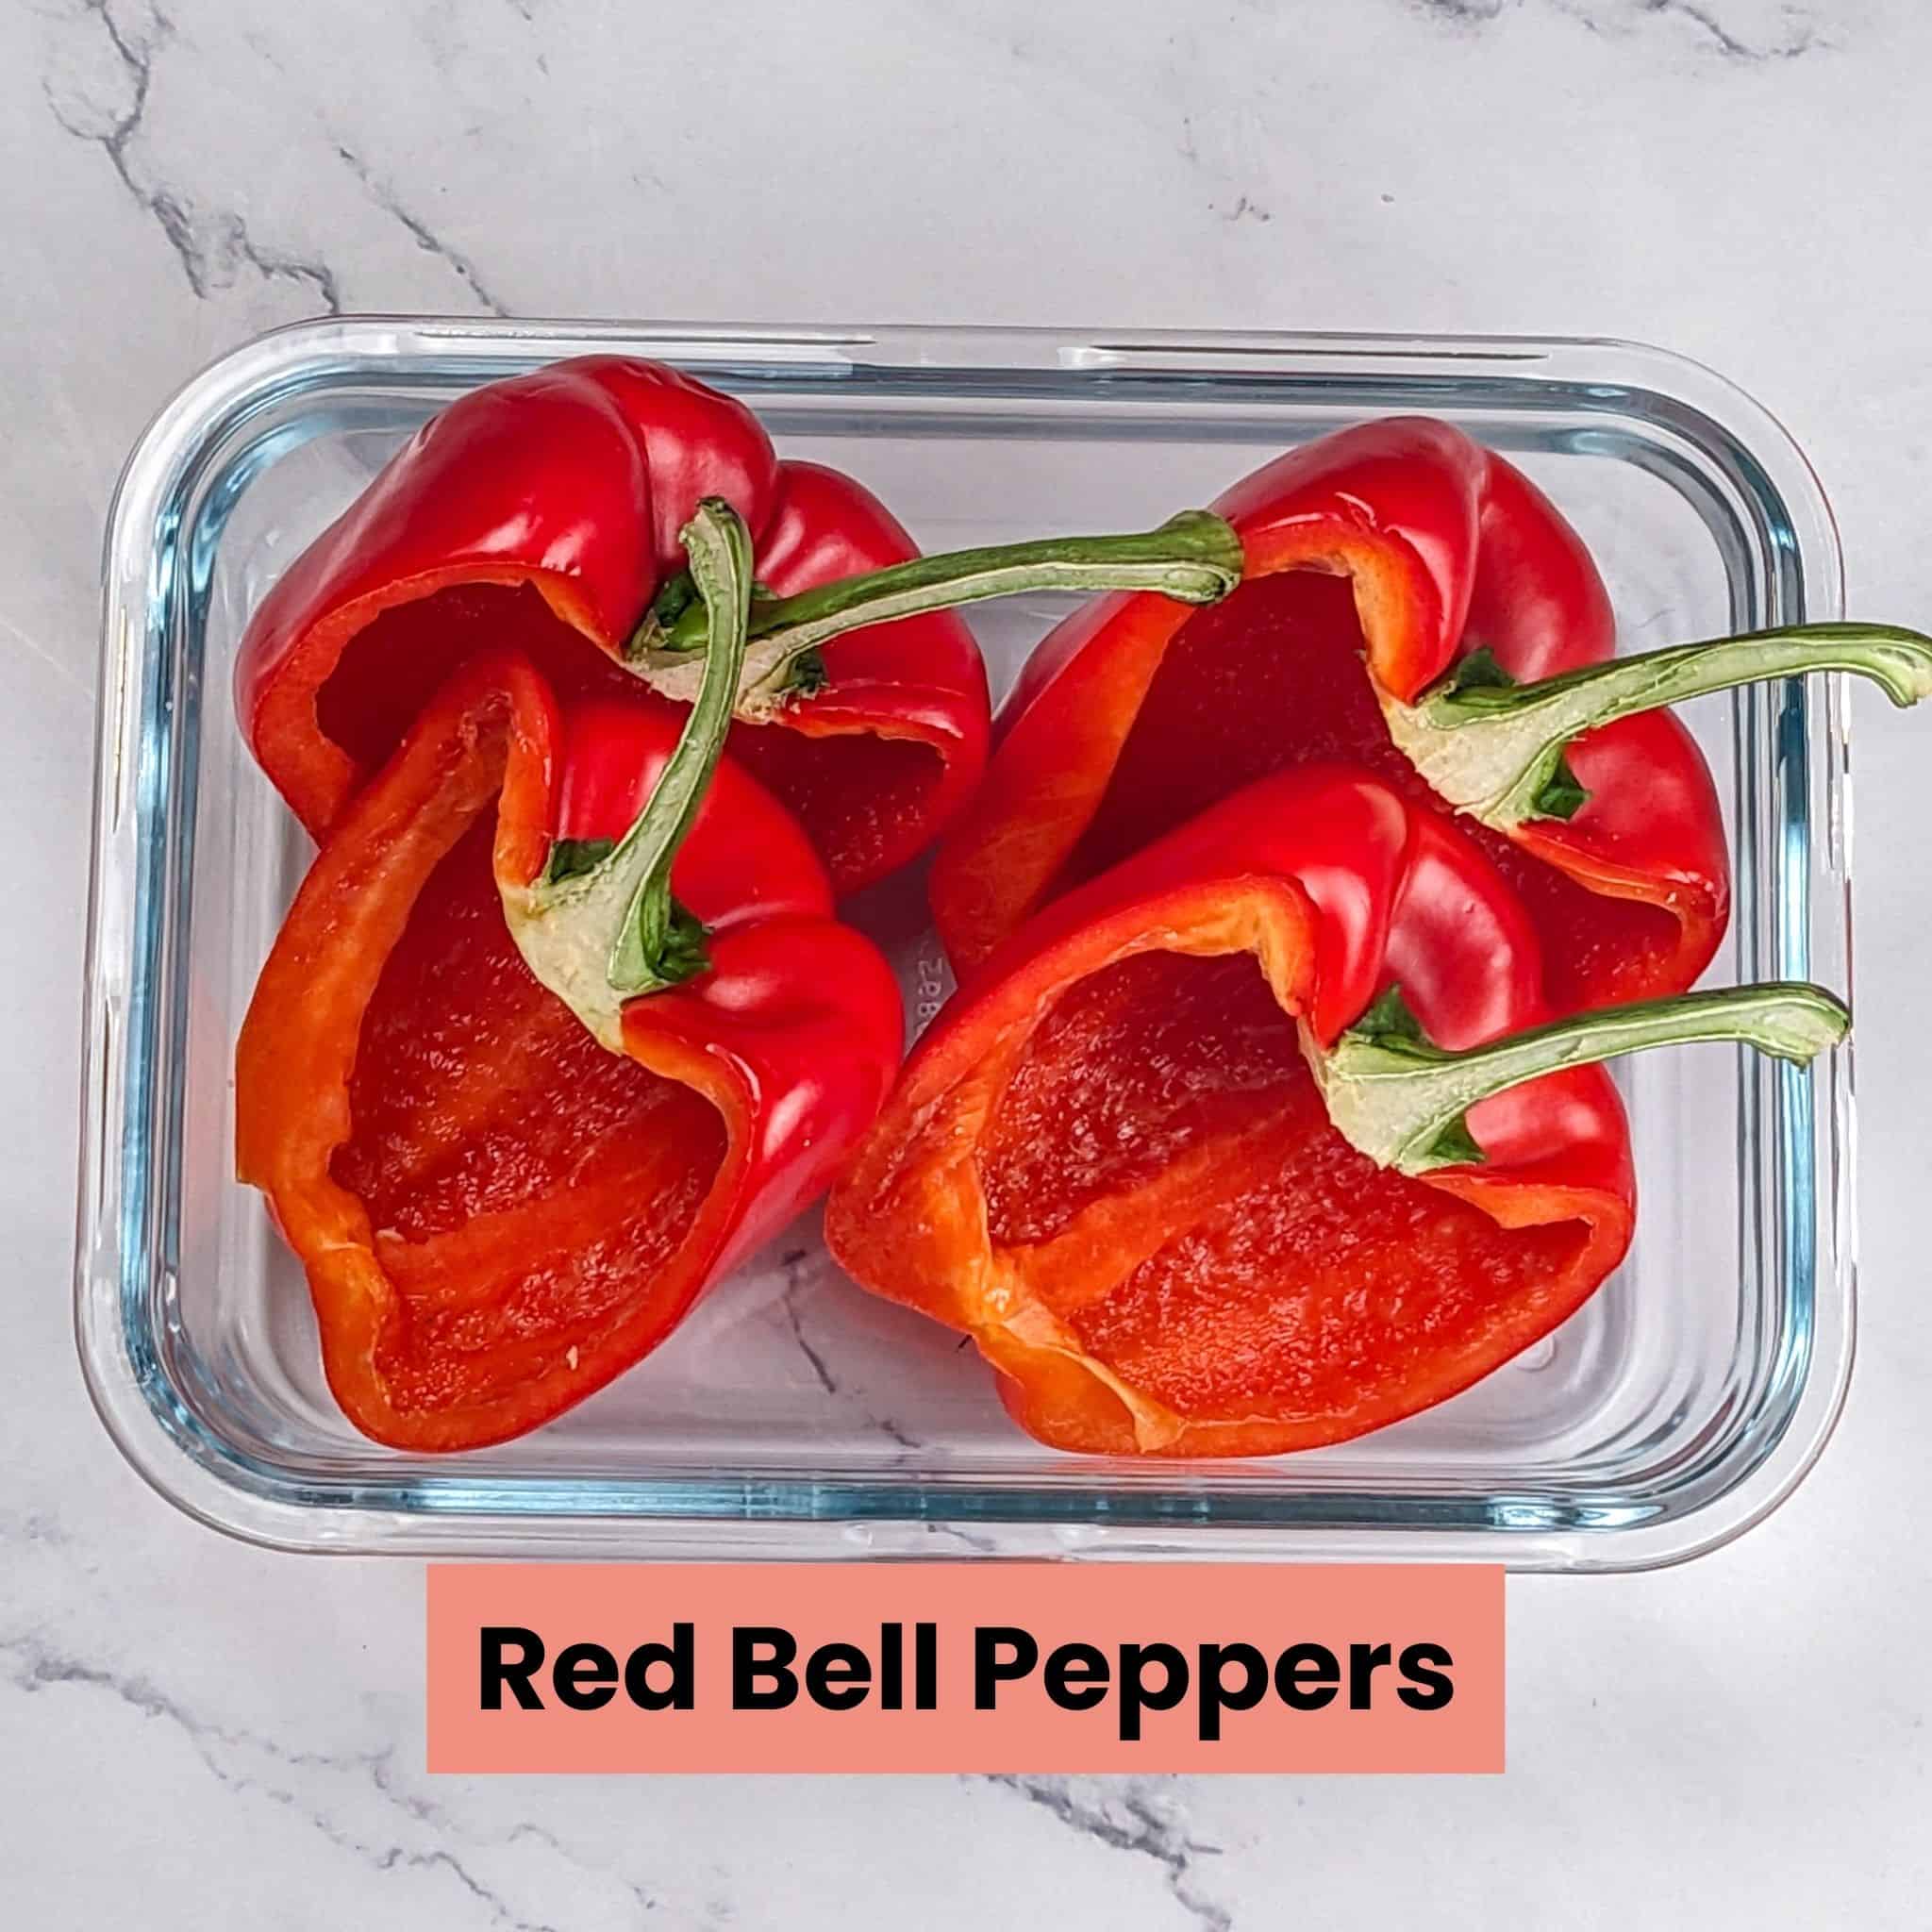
{"x": 1159, "y": 1172}
{"x": 488, "y": 1127}
{"x": 390, "y": 669}
{"x": 851, "y": 791}
{"x": 1272, "y": 677}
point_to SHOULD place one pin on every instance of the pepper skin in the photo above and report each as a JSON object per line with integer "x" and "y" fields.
{"x": 1405, "y": 543}
{"x": 1109, "y": 1162}
{"x": 496, "y": 1214}
{"x": 543, "y": 513}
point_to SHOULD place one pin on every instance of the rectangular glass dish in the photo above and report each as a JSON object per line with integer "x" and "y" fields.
{"x": 792, "y": 1415}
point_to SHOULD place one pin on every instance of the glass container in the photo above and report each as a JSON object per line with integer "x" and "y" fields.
{"x": 792, "y": 1415}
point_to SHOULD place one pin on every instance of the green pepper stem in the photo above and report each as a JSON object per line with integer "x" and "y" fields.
{"x": 1195, "y": 558}
{"x": 610, "y": 931}
{"x": 1492, "y": 750}
{"x": 1403, "y": 1100}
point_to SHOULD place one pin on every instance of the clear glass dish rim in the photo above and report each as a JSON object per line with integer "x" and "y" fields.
{"x": 686, "y": 1517}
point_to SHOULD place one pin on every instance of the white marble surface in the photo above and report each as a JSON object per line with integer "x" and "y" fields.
{"x": 209, "y": 1735}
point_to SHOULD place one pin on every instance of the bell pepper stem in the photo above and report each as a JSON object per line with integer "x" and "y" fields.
{"x": 1195, "y": 558}
{"x": 1495, "y": 749}
{"x": 1403, "y": 1100}
{"x": 600, "y": 933}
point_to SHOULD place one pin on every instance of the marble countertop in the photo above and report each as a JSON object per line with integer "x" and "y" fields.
{"x": 238, "y": 1735}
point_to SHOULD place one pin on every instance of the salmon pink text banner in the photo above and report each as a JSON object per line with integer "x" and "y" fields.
{"x": 947, "y": 1667}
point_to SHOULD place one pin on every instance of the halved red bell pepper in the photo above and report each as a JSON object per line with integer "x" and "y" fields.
{"x": 504, "y": 1189}
{"x": 1404, "y": 543}
{"x": 1261, "y": 1140}
{"x": 543, "y": 513}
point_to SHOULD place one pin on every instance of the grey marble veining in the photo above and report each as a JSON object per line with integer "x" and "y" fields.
{"x": 236, "y": 1734}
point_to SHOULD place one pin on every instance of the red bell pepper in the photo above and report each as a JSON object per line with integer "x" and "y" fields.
{"x": 1263, "y": 1139}
{"x": 1487, "y": 634}
{"x": 544, "y": 513}
{"x": 510, "y": 1152}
